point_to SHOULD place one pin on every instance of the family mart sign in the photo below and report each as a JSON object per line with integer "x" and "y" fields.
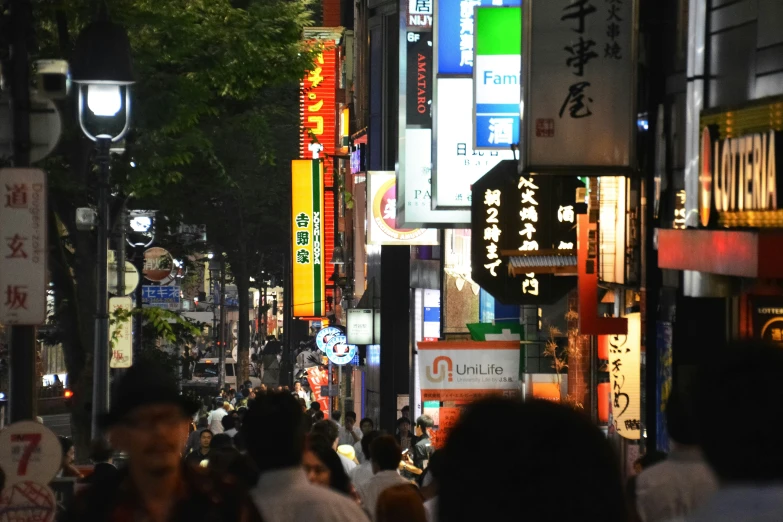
{"x": 468, "y": 370}
{"x": 497, "y": 76}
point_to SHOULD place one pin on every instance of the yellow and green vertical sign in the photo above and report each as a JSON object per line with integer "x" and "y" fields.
{"x": 307, "y": 197}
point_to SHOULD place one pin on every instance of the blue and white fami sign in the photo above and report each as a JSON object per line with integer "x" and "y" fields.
{"x": 497, "y": 76}
{"x": 455, "y": 35}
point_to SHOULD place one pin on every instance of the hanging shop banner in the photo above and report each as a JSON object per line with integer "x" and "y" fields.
{"x": 496, "y": 77}
{"x": 359, "y": 329}
{"x": 457, "y": 164}
{"x": 521, "y": 214}
{"x": 768, "y": 318}
{"x": 738, "y": 183}
{"x": 454, "y": 21}
{"x": 419, "y": 102}
{"x": 307, "y": 186}
{"x": 415, "y": 182}
{"x": 468, "y": 370}
{"x": 317, "y": 376}
{"x": 23, "y": 225}
{"x": 382, "y": 215}
{"x": 318, "y": 105}
{"x": 120, "y": 336}
{"x": 625, "y": 372}
{"x": 579, "y": 64}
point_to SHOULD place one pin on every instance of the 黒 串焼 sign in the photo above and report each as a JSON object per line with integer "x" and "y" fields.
{"x": 307, "y": 197}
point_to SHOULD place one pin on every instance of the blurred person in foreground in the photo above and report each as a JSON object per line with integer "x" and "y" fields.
{"x": 682, "y": 482}
{"x": 363, "y": 472}
{"x": 430, "y": 486}
{"x": 386, "y": 456}
{"x": 149, "y": 422}
{"x": 400, "y": 504}
{"x": 744, "y": 453}
{"x": 275, "y": 435}
{"x": 323, "y": 466}
{"x": 556, "y": 466}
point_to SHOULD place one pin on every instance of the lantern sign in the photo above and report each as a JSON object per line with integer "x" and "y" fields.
{"x": 625, "y": 373}
{"x": 23, "y": 278}
{"x": 158, "y": 264}
{"x": 120, "y": 334}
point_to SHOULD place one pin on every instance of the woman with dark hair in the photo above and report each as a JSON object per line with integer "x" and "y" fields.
{"x": 323, "y": 465}
{"x": 67, "y": 469}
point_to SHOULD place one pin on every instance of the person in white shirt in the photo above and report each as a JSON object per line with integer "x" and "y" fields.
{"x": 229, "y": 424}
{"x": 216, "y": 417}
{"x": 283, "y": 493}
{"x": 681, "y": 483}
{"x": 362, "y": 473}
{"x": 366, "y": 425}
{"x": 386, "y": 456}
{"x": 329, "y": 429}
{"x": 300, "y": 392}
{"x": 350, "y": 434}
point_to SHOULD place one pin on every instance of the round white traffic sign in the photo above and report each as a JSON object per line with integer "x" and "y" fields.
{"x": 131, "y": 278}
{"x": 29, "y": 452}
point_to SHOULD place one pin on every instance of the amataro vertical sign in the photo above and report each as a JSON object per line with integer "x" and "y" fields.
{"x": 307, "y": 194}
{"x": 497, "y": 76}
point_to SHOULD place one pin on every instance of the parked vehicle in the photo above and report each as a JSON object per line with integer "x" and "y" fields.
{"x": 205, "y": 376}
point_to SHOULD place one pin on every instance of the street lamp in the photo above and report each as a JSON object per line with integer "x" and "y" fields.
{"x": 103, "y": 71}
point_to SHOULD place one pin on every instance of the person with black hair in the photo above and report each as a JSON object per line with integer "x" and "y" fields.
{"x": 423, "y": 449}
{"x": 323, "y": 467}
{"x": 363, "y": 472}
{"x": 386, "y": 455}
{"x": 229, "y": 423}
{"x": 681, "y": 483}
{"x": 101, "y": 455}
{"x": 350, "y": 433}
{"x": 275, "y": 436}
{"x": 67, "y": 469}
{"x": 405, "y": 438}
{"x": 330, "y": 431}
{"x": 547, "y": 449}
{"x": 366, "y": 426}
{"x": 743, "y": 377}
{"x": 194, "y": 458}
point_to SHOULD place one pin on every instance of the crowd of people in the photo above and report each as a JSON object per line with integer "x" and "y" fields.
{"x": 277, "y": 459}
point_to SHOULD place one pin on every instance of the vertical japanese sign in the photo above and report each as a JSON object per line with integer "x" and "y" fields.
{"x": 457, "y": 164}
{"x": 579, "y": 60}
{"x": 317, "y": 102}
{"x": 307, "y": 187}
{"x": 419, "y": 78}
{"x": 496, "y": 76}
{"x": 23, "y": 251}
{"x": 625, "y": 373}
{"x": 455, "y": 29}
{"x": 120, "y": 336}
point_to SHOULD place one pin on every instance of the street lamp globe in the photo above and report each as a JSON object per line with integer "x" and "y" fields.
{"x": 103, "y": 70}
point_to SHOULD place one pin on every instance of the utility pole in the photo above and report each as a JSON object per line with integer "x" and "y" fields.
{"x": 223, "y": 315}
{"x": 22, "y": 395}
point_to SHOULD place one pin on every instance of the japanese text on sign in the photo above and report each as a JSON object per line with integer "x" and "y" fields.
{"x": 528, "y": 218}
{"x": 492, "y": 232}
{"x": 624, "y": 370}
{"x": 579, "y": 53}
{"x": 318, "y": 114}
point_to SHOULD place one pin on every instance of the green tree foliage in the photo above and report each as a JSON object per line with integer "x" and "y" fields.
{"x": 206, "y": 137}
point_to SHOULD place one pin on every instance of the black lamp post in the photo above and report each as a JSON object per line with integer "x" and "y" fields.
{"x": 103, "y": 71}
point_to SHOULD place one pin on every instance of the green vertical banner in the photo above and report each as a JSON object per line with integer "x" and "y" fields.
{"x": 497, "y": 77}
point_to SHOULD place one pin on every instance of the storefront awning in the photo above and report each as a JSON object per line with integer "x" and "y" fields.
{"x": 740, "y": 253}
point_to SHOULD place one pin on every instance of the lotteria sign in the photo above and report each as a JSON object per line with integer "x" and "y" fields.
{"x": 496, "y": 76}
{"x": 307, "y": 196}
{"x": 382, "y": 226}
{"x": 738, "y": 185}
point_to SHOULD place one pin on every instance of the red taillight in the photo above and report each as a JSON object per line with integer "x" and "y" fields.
{"x": 68, "y": 394}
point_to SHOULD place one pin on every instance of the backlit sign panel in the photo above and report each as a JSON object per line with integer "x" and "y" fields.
{"x": 307, "y": 184}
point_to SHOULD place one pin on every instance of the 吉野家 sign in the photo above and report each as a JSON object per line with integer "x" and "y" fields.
{"x": 468, "y": 370}
{"x": 307, "y": 195}
{"x": 382, "y": 226}
{"x": 457, "y": 164}
{"x": 454, "y": 21}
{"x": 120, "y": 336}
{"x": 496, "y": 77}
{"x": 360, "y": 326}
{"x": 625, "y": 374}
{"x": 23, "y": 225}
{"x": 579, "y": 72}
